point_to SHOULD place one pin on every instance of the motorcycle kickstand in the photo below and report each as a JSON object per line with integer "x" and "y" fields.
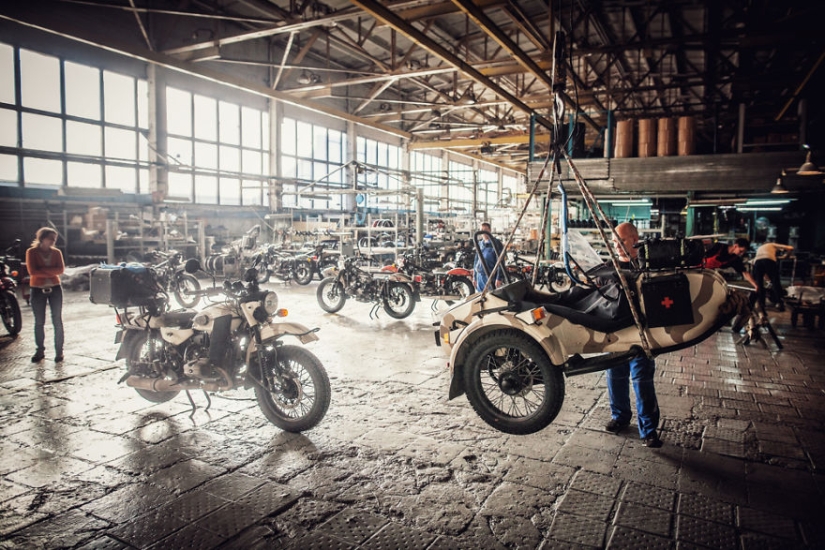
{"x": 208, "y": 401}
{"x": 374, "y": 310}
{"x": 192, "y": 402}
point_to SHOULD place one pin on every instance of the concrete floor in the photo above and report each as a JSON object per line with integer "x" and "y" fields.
{"x": 85, "y": 463}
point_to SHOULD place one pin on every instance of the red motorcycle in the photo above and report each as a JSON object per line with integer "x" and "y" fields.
{"x": 447, "y": 283}
{"x": 9, "y": 308}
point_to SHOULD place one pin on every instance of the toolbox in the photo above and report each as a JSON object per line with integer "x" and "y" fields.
{"x": 667, "y": 301}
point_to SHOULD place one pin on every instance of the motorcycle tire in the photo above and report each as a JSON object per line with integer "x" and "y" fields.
{"x": 330, "y": 295}
{"x": 511, "y": 383}
{"x": 263, "y": 276}
{"x": 303, "y": 274}
{"x": 183, "y": 285}
{"x": 302, "y": 402}
{"x": 560, "y": 282}
{"x": 139, "y": 353}
{"x": 463, "y": 286}
{"x": 10, "y": 311}
{"x": 399, "y": 302}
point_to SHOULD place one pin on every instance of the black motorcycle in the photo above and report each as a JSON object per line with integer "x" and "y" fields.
{"x": 16, "y": 268}
{"x": 309, "y": 265}
{"x": 171, "y": 275}
{"x": 9, "y": 307}
{"x": 349, "y": 280}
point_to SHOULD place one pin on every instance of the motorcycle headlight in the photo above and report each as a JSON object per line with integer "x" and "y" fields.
{"x": 270, "y": 302}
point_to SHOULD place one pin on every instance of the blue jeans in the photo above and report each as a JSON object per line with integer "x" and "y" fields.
{"x": 54, "y": 299}
{"x": 640, "y": 370}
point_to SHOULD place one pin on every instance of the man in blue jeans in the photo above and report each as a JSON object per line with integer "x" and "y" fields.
{"x": 640, "y": 370}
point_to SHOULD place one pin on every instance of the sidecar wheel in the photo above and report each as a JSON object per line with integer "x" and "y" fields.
{"x": 12, "y": 317}
{"x": 511, "y": 383}
{"x": 187, "y": 283}
{"x": 331, "y": 296}
{"x": 301, "y": 402}
{"x": 399, "y": 302}
{"x": 303, "y": 274}
{"x": 139, "y": 355}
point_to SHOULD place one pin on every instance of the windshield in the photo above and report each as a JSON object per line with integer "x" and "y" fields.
{"x": 581, "y": 250}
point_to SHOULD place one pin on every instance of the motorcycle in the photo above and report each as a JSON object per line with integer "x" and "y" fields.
{"x": 349, "y": 280}
{"x": 9, "y": 307}
{"x": 271, "y": 261}
{"x": 162, "y": 348}
{"x": 173, "y": 277}
{"x": 17, "y": 268}
{"x": 309, "y": 265}
{"x": 451, "y": 284}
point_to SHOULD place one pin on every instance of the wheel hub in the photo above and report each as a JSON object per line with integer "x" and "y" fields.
{"x": 511, "y": 384}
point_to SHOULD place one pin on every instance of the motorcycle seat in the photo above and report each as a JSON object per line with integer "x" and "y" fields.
{"x": 179, "y": 318}
{"x": 603, "y": 309}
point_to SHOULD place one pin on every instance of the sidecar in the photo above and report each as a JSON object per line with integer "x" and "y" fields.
{"x": 511, "y": 348}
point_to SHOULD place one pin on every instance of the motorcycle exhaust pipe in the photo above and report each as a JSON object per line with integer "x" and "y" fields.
{"x": 164, "y": 385}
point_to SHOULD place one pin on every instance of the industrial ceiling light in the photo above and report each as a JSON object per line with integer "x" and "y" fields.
{"x": 486, "y": 148}
{"x": 808, "y": 168}
{"x": 304, "y": 78}
{"x": 779, "y": 189}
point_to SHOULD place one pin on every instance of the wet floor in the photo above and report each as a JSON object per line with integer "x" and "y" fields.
{"x": 86, "y": 463}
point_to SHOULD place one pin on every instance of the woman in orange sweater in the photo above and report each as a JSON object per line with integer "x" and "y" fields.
{"x": 45, "y": 265}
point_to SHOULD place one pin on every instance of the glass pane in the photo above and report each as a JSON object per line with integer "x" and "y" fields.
{"x": 206, "y": 156}
{"x": 288, "y": 167}
{"x": 251, "y": 162}
{"x": 206, "y": 189}
{"x": 42, "y": 171}
{"x": 83, "y": 139}
{"x": 143, "y": 181}
{"x": 303, "y": 139}
{"x": 119, "y": 177}
{"x": 206, "y": 118}
{"x": 42, "y": 132}
{"x": 319, "y": 143}
{"x": 143, "y": 147}
{"x": 40, "y": 81}
{"x": 8, "y": 128}
{"x": 372, "y": 151}
{"x": 143, "y": 103}
{"x": 230, "y": 191}
{"x": 118, "y": 98}
{"x": 319, "y": 170}
{"x": 265, "y": 129}
{"x": 252, "y": 192}
{"x": 230, "y": 123}
{"x": 251, "y": 125}
{"x": 288, "y": 136}
{"x": 335, "y": 146}
{"x": 178, "y": 112}
{"x": 304, "y": 169}
{"x": 266, "y": 164}
{"x": 7, "y": 82}
{"x": 121, "y": 144}
{"x": 82, "y": 90}
{"x": 179, "y": 152}
{"x": 230, "y": 159}
{"x": 82, "y": 174}
{"x": 180, "y": 186}
{"x": 8, "y": 169}
{"x": 288, "y": 201}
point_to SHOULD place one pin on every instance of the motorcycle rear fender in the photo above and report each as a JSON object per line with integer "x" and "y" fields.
{"x": 127, "y": 342}
{"x": 460, "y": 272}
{"x": 274, "y": 331}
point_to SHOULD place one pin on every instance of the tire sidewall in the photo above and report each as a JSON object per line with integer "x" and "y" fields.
{"x": 410, "y": 301}
{"x": 319, "y": 294}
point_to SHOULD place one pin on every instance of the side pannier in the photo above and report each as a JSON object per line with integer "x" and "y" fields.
{"x": 124, "y": 285}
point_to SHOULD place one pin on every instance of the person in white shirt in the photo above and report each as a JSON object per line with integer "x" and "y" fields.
{"x": 765, "y": 264}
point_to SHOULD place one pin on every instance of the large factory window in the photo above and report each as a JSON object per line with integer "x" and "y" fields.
{"x": 312, "y": 153}
{"x": 218, "y": 151}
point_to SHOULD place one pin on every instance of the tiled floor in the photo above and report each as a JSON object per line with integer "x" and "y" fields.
{"x": 85, "y": 463}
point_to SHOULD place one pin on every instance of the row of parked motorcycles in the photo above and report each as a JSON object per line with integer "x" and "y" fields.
{"x": 14, "y": 279}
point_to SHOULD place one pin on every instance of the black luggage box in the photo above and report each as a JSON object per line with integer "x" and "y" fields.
{"x": 122, "y": 286}
{"x": 656, "y": 254}
{"x": 667, "y": 301}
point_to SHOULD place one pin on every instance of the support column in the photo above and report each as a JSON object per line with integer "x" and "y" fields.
{"x": 158, "y": 167}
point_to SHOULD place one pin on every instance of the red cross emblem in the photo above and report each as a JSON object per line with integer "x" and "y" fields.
{"x": 667, "y": 302}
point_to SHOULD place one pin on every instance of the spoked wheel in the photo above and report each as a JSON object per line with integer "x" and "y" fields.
{"x": 185, "y": 285}
{"x": 299, "y": 399}
{"x": 461, "y": 286}
{"x": 330, "y": 295}
{"x": 303, "y": 273}
{"x": 10, "y": 311}
{"x": 559, "y": 282}
{"x": 263, "y": 275}
{"x": 511, "y": 383}
{"x": 138, "y": 360}
{"x": 399, "y": 302}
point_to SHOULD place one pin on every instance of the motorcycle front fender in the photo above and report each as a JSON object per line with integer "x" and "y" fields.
{"x": 273, "y": 331}
{"x": 460, "y": 272}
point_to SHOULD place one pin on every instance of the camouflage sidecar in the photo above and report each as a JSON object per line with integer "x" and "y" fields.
{"x": 511, "y": 348}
